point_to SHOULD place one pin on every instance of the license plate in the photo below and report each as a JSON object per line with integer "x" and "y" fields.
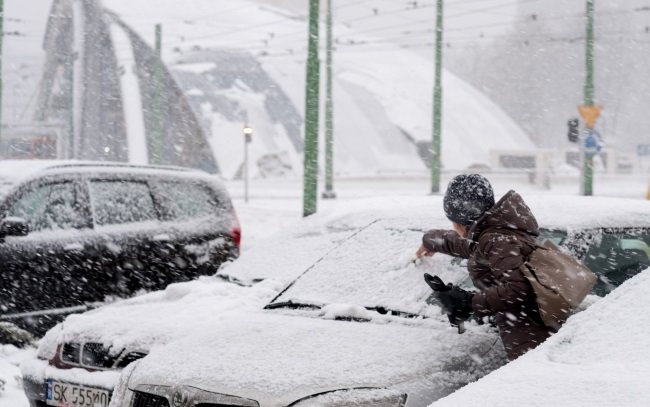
{"x": 71, "y": 395}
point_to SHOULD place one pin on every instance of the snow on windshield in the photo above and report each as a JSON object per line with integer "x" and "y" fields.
{"x": 290, "y": 252}
{"x": 375, "y": 268}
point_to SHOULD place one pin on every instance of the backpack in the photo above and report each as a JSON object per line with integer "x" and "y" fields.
{"x": 560, "y": 282}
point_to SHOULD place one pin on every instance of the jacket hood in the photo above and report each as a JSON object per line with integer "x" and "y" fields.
{"x": 510, "y": 212}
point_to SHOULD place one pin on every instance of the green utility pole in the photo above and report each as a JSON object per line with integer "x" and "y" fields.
{"x": 310, "y": 181}
{"x": 157, "y": 127}
{"x": 437, "y": 105}
{"x": 587, "y": 158}
{"x": 329, "y": 114}
{"x": 69, "y": 90}
{"x": 2, "y": 18}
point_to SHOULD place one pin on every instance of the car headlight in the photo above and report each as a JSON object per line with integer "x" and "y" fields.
{"x": 121, "y": 392}
{"x": 369, "y": 397}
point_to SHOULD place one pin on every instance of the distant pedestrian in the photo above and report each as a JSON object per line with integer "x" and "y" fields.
{"x": 496, "y": 238}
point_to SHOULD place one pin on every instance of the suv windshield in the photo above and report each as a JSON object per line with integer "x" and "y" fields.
{"x": 374, "y": 269}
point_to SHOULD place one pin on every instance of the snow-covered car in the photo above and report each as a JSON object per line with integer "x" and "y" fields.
{"x": 74, "y": 233}
{"x": 599, "y": 358}
{"x": 355, "y": 328}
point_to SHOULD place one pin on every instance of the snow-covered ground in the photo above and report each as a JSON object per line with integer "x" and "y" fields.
{"x": 10, "y": 359}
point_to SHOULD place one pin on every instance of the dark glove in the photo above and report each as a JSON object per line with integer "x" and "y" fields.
{"x": 455, "y": 302}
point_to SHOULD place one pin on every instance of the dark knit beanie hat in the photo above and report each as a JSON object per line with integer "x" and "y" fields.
{"x": 468, "y": 196}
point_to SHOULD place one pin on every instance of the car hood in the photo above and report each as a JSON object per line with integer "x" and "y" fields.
{"x": 159, "y": 317}
{"x": 278, "y": 359}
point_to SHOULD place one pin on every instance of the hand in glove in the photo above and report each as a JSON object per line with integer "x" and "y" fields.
{"x": 455, "y": 302}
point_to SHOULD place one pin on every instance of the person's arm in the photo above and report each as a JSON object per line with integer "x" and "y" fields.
{"x": 446, "y": 242}
{"x": 504, "y": 257}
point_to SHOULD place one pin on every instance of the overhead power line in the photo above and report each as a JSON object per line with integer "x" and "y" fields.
{"x": 349, "y": 37}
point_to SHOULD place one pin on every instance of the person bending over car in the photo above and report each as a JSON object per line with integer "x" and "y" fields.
{"x": 496, "y": 238}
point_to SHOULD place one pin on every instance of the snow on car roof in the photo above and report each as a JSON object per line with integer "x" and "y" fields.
{"x": 13, "y": 172}
{"x": 17, "y": 170}
{"x": 569, "y": 211}
{"x": 551, "y": 210}
{"x": 600, "y": 357}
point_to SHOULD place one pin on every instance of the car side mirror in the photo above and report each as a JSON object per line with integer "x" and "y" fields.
{"x": 13, "y": 226}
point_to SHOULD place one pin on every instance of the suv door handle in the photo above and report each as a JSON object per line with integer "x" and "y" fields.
{"x": 162, "y": 237}
{"x": 73, "y": 247}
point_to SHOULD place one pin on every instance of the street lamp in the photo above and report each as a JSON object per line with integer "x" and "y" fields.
{"x": 248, "y": 137}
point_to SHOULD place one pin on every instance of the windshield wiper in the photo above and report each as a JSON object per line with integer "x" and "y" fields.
{"x": 292, "y": 305}
{"x": 387, "y": 311}
{"x": 53, "y": 311}
{"x": 230, "y": 279}
{"x": 379, "y": 309}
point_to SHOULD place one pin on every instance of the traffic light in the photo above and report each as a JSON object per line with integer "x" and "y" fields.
{"x": 573, "y": 130}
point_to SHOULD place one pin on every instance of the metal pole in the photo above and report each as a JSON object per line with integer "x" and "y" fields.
{"x": 157, "y": 105}
{"x": 248, "y": 137}
{"x": 329, "y": 114}
{"x": 2, "y": 18}
{"x": 69, "y": 146}
{"x": 246, "y": 168}
{"x": 587, "y": 159}
{"x": 437, "y": 104}
{"x": 310, "y": 181}
{"x": 245, "y": 171}
{"x": 78, "y": 76}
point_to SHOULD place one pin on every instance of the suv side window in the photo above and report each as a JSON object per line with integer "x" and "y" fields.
{"x": 186, "y": 200}
{"x": 50, "y": 206}
{"x": 116, "y": 202}
{"x": 618, "y": 256}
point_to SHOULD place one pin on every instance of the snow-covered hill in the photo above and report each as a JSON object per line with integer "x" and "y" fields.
{"x": 382, "y": 96}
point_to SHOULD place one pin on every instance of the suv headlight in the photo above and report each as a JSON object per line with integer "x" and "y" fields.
{"x": 368, "y": 397}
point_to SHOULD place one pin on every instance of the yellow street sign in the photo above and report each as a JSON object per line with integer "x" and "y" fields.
{"x": 590, "y": 114}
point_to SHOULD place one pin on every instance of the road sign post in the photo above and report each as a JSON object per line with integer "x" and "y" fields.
{"x": 588, "y": 111}
{"x": 588, "y": 146}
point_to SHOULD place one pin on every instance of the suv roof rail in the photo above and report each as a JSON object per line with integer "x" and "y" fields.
{"x": 121, "y": 165}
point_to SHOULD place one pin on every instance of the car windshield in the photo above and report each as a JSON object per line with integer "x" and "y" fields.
{"x": 374, "y": 269}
